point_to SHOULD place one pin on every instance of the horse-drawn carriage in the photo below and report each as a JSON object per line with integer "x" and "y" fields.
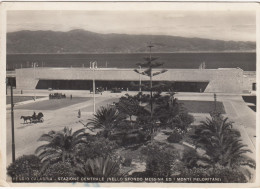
{"x": 34, "y": 118}
{"x": 37, "y": 118}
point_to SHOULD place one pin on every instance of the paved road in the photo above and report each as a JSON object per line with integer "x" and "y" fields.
{"x": 26, "y": 135}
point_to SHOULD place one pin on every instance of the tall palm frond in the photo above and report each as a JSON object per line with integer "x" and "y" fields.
{"x": 106, "y": 118}
{"x": 60, "y": 145}
{"x": 222, "y": 143}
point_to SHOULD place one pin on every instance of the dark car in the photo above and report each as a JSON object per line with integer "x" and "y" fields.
{"x": 57, "y": 96}
{"x": 96, "y": 91}
{"x": 116, "y": 90}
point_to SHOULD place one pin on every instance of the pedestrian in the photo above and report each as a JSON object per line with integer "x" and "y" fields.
{"x": 70, "y": 96}
{"x": 34, "y": 115}
{"x": 21, "y": 91}
{"x": 79, "y": 114}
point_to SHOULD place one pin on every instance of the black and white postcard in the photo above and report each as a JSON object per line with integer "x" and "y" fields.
{"x": 129, "y": 94}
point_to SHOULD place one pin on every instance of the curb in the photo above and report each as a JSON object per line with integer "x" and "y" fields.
{"x": 27, "y": 102}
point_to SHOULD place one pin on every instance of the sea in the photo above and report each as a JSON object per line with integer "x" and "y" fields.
{"x": 212, "y": 60}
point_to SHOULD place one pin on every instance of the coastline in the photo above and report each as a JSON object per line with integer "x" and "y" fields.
{"x": 177, "y": 52}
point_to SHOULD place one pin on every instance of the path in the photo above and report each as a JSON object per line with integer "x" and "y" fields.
{"x": 26, "y": 135}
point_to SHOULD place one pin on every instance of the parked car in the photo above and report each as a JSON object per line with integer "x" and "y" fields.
{"x": 57, "y": 96}
{"x": 98, "y": 90}
{"x": 116, "y": 90}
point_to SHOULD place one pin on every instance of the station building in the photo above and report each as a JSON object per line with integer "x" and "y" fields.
{"x": 222, "y": 80}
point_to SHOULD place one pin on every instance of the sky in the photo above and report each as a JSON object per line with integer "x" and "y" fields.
{"x": 220, "y": 25}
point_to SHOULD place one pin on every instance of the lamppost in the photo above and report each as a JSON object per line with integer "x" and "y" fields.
{"x": 140, "y": 81}
{"x": 215, "y": 102}
{"x": 93, "y": 66}
{"x": 34, "y": 64}
{"x": 12, "y": 123}
{"x": 151, "y": 78}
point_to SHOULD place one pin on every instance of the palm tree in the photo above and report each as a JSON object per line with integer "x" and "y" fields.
{"x": 222, "y": 143}
{"x": 106, "y": 118}
{"x": 61, "y": 145}
{"x": 234, "y": 154}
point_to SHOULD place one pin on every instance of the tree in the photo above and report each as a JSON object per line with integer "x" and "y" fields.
{"x": 61, "y": 145}
{"x": 106, "y": 118}
{"x": 150, "y": 64}
{"x": 129, "y": 105}
{"x": 167, "y": 108}
{"x": 222, "y": 143}
{"x": 171, "y": 113}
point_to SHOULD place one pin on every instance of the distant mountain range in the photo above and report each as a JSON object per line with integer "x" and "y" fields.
{"x": 82, "y": 41}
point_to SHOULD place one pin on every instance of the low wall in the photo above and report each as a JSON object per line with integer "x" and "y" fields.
{"x": 249, "y": 78}
{"x": 220, "y": 80}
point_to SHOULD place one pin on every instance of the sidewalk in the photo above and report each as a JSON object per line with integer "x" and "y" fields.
{"x": 8, "y": 106}
{"x": 245, "y": 122}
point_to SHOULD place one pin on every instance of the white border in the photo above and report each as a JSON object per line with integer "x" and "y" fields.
{"x": 231, "y": 5}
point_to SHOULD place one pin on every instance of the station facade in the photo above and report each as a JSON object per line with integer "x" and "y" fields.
{"x": 222, "y": 80}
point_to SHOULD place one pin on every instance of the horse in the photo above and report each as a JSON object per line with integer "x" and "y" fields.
{"x": 25, "y": 118}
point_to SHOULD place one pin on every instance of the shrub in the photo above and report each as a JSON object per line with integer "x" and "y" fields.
{"x": 186, "y": 120}
{"x": 99, "y": 167}
{"x": 130, "y": 137}
{"x": 176, "y": 136}
{"x": 134, "y": 137}
{"x": 139, "y": 174}
{"x": 60, "y": 169}
{"x": 26, "y": 166}
{"x": 124, "y": 126}
{"x": 229, "y": 175}
{"x": 97, "y": 147}
{"x": 127, "y": 162}
{"x": 191, "y": 159}
{"x": 159, "y": 160}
